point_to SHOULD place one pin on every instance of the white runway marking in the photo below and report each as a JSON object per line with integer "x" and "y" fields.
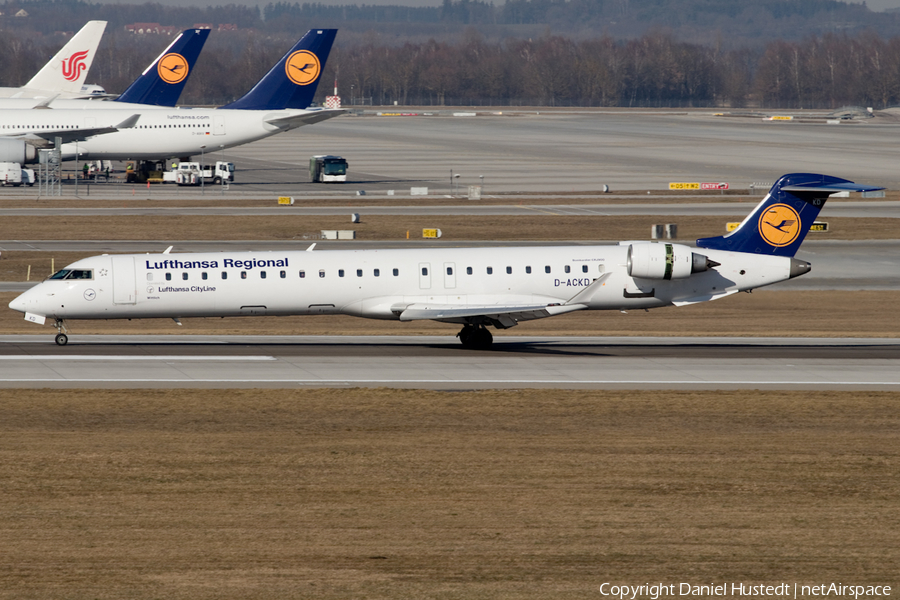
{"x": 135, "y": 358}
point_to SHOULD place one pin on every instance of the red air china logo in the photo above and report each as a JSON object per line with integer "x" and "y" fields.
{"x": 74, "y": 65}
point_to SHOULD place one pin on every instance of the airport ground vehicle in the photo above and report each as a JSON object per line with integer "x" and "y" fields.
{"x": 193, "y": 173}
{"x": 11, "y": 173}
{"x": 327, "y": 169}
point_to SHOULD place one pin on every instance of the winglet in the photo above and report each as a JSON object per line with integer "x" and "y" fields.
{"x": 291, "y": 83}
{"x": 781, "y": 221}
{"x": 162, "y": 82}
{"x": 67, "y": 70}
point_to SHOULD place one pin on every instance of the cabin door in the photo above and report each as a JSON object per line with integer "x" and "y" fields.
{"x": 124, "y": 283}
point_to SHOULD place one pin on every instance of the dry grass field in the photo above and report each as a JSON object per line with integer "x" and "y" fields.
{"x": 407, "y": 494}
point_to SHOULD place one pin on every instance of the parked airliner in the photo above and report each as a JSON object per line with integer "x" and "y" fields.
{"x": 122, "y": 131}
{"x": 160, "y": 84}
{"x": 64, "y": 74}
{"x": 474, "y": 287}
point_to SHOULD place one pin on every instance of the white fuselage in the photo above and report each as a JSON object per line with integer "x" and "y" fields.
{"x": 159, "y": 133}
{"x": 378, "y": 283}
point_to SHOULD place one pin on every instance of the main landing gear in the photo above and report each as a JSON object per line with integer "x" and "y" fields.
{"x": 475, "y": 337}
{"x": 61, "y": 338}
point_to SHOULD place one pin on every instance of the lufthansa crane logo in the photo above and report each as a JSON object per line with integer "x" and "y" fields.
{"x": 302, "y": 67}
{"x": 73, "y": 66}
{"x": 779, "y": 225}
{"x": 172, "y": 68}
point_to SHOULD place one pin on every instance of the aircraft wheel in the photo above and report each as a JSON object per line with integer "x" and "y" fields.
{"x": 62, "y": 339}
{"x": 483, "y": 339}
{"x": 466, "y": 336}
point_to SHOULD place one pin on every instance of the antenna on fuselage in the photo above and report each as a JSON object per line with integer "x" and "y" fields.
{"x": 310, "y": 249}
{"x": 167, "y": 250}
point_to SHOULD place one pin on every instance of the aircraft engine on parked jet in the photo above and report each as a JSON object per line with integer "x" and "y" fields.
{"x": 665, "y": 261}
{"x": 17, "y": 151}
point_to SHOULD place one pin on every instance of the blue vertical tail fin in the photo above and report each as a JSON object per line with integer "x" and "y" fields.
{"x": 293, "y": 81}
{"x": 781, "y": 221}
{"x": 162, "y": 82}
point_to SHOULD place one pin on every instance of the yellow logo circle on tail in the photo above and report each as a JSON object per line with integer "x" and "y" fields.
{"x": 779, "y": 225}
{"x": 172, "y": 68}
{"x": 302, "y": 67}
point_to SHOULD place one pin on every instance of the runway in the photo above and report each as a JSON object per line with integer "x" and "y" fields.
{"x": 881, "y": 210}
{"x": 440, "y": 363}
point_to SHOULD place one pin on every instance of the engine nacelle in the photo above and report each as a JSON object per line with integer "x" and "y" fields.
{"x": 17, "y": 151}
{"x": 665, "y": 261}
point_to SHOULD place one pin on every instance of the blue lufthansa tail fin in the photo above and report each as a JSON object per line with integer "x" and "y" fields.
{"x": 162, "y": 82}
{"x": 781, "y": 221}
{"x": 293, "y": 81}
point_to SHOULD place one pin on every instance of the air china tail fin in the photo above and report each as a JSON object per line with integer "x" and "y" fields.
{"x": 162, "y": 82}
{"x": 66, "y": 72}
{"x": 293, "y": 81}
{"x": 781, "y": 221}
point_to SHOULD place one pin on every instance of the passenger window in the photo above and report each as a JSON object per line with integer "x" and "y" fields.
{"x": 490, "y": 270}
{"x": 322, "y": 273}
{"x": 449, "y": 270}
{"x": 359, "y": 272}
{"x": 424, "y": 270}
{"x": 567, "y": 269}
{"x": 340, "y": 272}
{"x": 509, "y": 270}
{"x": 204, "y": 276}
{"x": 376, "y": 272}
{"x": 396, "y": 272}
{"x": 224, "y": 274}
{"x": 283, "y": 274}
{"x": 528, "y": 270}
{"x": 547, "y": 269}
{"x": 184, "y": 276}
{"x": 468, "y": 270}
{"x": 584, "y": 268}
{"x": 262, "y": 274}
{"x": 243, "y": 274}
{"x": 168, "y": 277}
{"x": 149, "y": 277}
{"x": 302, "y": 274}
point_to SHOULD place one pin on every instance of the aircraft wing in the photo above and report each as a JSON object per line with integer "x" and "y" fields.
{"x": 79, "y": 135}
{"x": 502, "y": 317}
{"x": 306, "y": 118}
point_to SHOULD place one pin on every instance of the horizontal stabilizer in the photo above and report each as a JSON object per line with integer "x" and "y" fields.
{"x": 306, "y": 118}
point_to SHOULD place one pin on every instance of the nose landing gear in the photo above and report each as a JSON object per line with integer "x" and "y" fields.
{"x": 475, "y": 337}
{"x": 61, "y": 338}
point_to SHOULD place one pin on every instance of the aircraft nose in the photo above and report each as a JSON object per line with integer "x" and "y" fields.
{"x": 18, "y": 303}
{"x": 25, "y": 302}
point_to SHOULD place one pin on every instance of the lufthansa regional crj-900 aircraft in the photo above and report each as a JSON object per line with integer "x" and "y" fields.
{"x": 474, "y": 287}
{"x": 124, "y": 131}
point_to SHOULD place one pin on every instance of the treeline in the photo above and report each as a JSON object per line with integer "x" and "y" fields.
{"x": 653, "y": 71}
{"x": 729, "y": 23}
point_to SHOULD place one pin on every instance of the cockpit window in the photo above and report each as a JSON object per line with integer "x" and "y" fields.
{"x": 73, "y": 274}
